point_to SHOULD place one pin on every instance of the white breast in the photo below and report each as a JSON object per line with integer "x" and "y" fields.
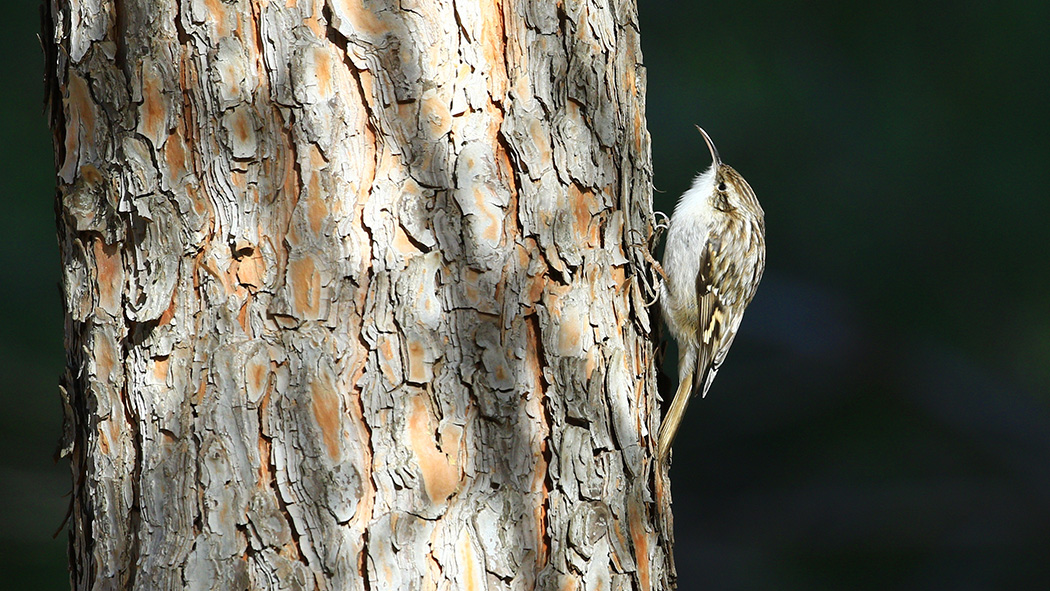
{"x": 690, "y": 227}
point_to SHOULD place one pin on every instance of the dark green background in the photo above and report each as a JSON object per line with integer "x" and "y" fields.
{"x": 884, "y": 418}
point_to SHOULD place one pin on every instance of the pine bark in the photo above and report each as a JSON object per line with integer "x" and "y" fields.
{"x": 350, "y": 294}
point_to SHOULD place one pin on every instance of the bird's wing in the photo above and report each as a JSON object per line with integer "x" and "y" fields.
{"x": 712, "y": 322}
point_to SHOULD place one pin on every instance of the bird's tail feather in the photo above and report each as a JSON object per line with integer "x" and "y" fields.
{"x": 673, "y": 419}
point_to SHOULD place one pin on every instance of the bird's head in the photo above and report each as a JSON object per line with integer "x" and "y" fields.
{"x": 727, "y": 190}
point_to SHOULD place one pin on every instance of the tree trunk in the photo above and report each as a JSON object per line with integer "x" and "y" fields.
{"x": 351, "y": 299}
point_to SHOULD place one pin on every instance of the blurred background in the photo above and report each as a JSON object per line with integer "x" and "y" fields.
{"x": 33, "y": 487}
{"x": 883, "y": 421}
{"x": 884, "y": 418}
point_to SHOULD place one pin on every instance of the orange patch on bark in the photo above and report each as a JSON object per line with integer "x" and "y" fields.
{"x": 363, "y": 19}
{"x": 254, "y": 41}
{"x": 197, "y": 200}
{"x": 583, "y": 204}
{"x": 402, "y": 243}
{"x": 385, "y": 346}
{"x": 523, "y": 255}
{"x": 242, "y": 314}
{"x": 619, "y": 275}
{"x": 540, "y": 514}
{"x": 641, "y": 543}
{"x": 367, "y": 80}
{"x": 168, "y": 313}
{"x": 103, "y": 439}
{"x": 257, "y": 372}
{"x": 110, "y": 275}
{"x": 317, "y": 209}
{"x": 325, "y": 404}
{"x": 469, "y": 285}
{"x": 317, "y": 160}
{"x": 314, "y": 25}
{"x": 242, "y": 127}
{"x": 470, "y": 566}
{"x": 536, "y": 287}
{"x": 264, "y": 464}
{"x": 540, "y": 140}
{"x": 306, "y": 286}
{"x": 451, "y": 437}
{"x": 160, "y": 368}
{"x": 591, "y": 364}
{"x": 208, "y": 265}
{"x": 417, "y": 364}
{"x": 218, "y": 16}
{"x": 287, "y": 172}
{"x": 406, "y": 111}
{"x": 433, "y": 571}
{"x": 203, "y": 388}
{"x": 154, "y": 109}
{"x": 639, "y": 130}
{"x": 90, "y": 174}
{"x": 492, "y": 213}
{"x": 251, "y": 270}
{"x": 594, "y": 234}
{"x": 437, "y": 114}
{"x": 323, "y": 71}
{"x": 175, "y": 156}
{"x": 440, "y": 476}
{"x": 239, "y": 179}
{"x": 492, "y": 48}
{"x": 105, "y": 356}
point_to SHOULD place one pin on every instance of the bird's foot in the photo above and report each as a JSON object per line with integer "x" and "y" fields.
{"x": 652, "y": 285}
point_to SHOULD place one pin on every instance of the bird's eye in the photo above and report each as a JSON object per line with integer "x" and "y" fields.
{"x": 721, "y": 186}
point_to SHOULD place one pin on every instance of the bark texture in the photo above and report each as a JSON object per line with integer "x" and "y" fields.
{"x": 350, "y": 298}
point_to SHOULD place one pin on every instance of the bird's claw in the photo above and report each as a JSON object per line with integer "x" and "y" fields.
{"x": 662, "y": 224}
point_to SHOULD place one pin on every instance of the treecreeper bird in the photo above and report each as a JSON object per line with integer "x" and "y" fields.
{"x": 713, "y": 260}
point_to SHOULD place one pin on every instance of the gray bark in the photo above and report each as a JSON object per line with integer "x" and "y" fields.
{"x": 350, "y": 297}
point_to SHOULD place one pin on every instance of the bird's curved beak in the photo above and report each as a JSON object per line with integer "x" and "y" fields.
{"x": 710, "y": 146}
